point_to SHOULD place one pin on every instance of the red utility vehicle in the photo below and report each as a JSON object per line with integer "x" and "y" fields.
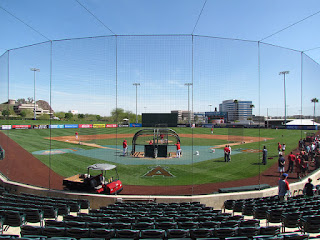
{"x": 100, "y": 183}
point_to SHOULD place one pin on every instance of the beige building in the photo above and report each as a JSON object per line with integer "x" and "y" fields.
{"x": 30, "y": 106}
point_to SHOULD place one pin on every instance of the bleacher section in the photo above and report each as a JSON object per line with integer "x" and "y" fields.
{"x": 21, "y": 210}
{"x": 255, "y": 218}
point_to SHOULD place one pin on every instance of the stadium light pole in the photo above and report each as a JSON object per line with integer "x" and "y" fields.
{"x": 34, "y": 91}
{"x": 210, "y": 105}
{"x": 188, "y": 85}
{"x": 136, "y": 84}
{"x": 285, "y": 100}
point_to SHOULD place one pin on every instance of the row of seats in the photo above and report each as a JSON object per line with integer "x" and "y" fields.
{"x": 293, "y": 203}
{"x": 297, "y": 212}
{"x": 74, "y": 204}
{"x": 174, "y": 217}
{"x": 155, "y": 210}
{"x": 291, "y": 236}
{"x": 151, "y": 205}
{"x": 84, "y": 203}
{"x": 49, "y": 211}
{"x": 154, "y": 225}
{"x": 220, "y": 233}
{"x": 18, "y": 210}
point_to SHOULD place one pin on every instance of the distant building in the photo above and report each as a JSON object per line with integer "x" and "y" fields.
{"x": 258, "y": 119}
{"x": 237, "y": 110}
{"x": 74, "y": 111}
{"x": 183, "y": 116}
{"x": 11, "y": 102}
{"x": 216, "y": 117}
{"x": 30, "y": 106}
{"x": 41, "y": 107}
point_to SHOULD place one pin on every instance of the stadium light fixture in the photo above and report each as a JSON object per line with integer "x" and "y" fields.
{"x": 188, "y": 85}
{"x": 34, "y": 91}
{"x": 136, "y": 84}
{"x": 285, "y": 100}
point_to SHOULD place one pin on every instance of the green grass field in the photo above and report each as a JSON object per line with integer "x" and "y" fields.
{"x": 243, "y": 165}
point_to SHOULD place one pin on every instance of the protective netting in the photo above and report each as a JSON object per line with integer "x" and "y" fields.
{"x": 109, "y": 82}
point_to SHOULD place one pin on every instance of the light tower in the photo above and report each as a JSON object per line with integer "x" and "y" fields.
{"x": 136, "y": 84}
{"x": 34, "y": 91}
{"x": 285, "y": 100}
{"x": 188, "y": 85}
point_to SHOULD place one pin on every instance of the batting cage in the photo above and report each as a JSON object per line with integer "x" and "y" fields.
{"x": 154, "y": 142}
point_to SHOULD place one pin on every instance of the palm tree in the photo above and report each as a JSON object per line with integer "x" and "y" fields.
{"x": 252, "y": 106}
{"x": 236, "y": 102}
{"x": 314, "y": 100}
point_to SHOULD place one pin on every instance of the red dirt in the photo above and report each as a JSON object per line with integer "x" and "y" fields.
{"x": 83, "y": 138}
{"x": 21, "y": 166}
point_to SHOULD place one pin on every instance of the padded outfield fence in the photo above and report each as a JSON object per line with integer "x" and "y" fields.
{"x": 190, "y": 73}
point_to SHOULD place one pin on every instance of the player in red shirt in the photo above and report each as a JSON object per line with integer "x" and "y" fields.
{"x": 161, "y": 137}
{"x": 178, "y": 149}
{"x": 279, "y": 148}
{"x": 298, "y": 165}
{"x": 291, "y": 160}
{"x": 226, "y": 154}
{"x": 125, "y": 147}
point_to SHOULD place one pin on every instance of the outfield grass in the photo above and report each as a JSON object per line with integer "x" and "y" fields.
{"x": 243, "y": 165}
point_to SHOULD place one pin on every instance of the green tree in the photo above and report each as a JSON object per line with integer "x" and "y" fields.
{"x": 68, "y": 116}
{"x": 251, "y": 107}
{"x": 236, "y": 115}
{"x": 5, "y": 113}
{"x": 80, "y": 116}
{"x": 21, "y": 101}
{"x": 23, "y": 114}
{"x": 44, "y": 117}
{"x": 196, "y": 118}
{"x": 131, "y": 116}
{"x": 98, "y": 117}
{"x": 60, "y": 114}
{"x": 314, "y": 100}
{"x": 117, "y": 114}
{"x": 30, "y": 100}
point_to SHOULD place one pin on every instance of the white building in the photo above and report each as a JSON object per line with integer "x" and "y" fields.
{"x": 238, "y": 110}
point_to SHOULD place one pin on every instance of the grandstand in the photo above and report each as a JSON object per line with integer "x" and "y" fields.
{"x": 30, "y": 216}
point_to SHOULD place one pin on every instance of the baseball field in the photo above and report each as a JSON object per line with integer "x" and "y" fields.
{"x": 202, "y": 161}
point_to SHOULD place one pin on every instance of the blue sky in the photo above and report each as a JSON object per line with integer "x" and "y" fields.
{"x": 91, "y": 78}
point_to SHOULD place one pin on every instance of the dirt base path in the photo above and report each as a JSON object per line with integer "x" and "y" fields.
{"x": 21, "y": 166}
{"x": 243, "y": 139}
